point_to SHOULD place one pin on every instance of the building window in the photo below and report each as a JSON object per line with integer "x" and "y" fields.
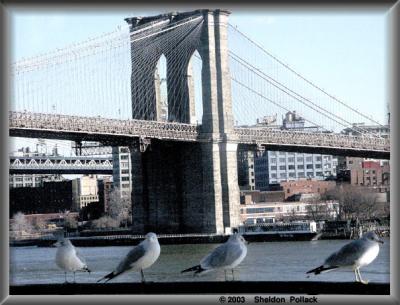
{"x": 291, "y": 167}
{"x": 291, "y": 159}
{"x": 282, "y": 167}
{"x": 310, "y": 174}
{"x": 282, "y": 160}
{"x": 273, "y": 168}
{"x": 309, "y": 159}
{"x": 319, "y": 174}
{"x": 273, "y": 160}
{"x": 292, "y": 175}
{"x": 300, "y": 166}
{"x": 309, "y": 166}
{"x": 282, "y": 175}
{"x": 300, "y": 159}
{"x": 317, "y": 165}
{"x": 301, "y": 174}
{"x": 318, "y": 158}
{"x": 273, "y": 175}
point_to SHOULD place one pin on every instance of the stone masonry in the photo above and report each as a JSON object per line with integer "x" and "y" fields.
{"x": 187, "y": 187}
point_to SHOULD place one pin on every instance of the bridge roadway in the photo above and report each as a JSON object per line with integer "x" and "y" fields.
{"x": 121, "y": 132}
{"x": 60, "y": 165}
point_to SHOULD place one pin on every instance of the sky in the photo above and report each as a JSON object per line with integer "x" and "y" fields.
{"x": 344, "y": 53}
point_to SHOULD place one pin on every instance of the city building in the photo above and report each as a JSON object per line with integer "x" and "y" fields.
{"x": 84, "y": 191}
{"x": 251, "y": 197}
{"x": 306, "y": 186}
{"x": 51, "y": 197}
{"x": 105, "y": 186}
{"x": 270, "y": 212}
{"x": 246, "y": 176}
{"x": 366, "y": 172}
{"x": 359, "y": 128}
{"x": 122, "y": 170}
{"x": 32, "y": 180}
{"x": 273, "y": 167}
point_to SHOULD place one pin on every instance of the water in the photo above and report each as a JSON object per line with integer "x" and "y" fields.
{"x": 273, "y": 261}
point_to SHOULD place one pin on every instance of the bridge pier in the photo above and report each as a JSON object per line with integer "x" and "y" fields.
{"x": 187, "y": 187}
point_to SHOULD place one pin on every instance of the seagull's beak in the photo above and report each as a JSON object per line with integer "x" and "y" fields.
{"x": 56, "y": 244}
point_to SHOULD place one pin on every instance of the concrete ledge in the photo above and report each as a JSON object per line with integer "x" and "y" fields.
{"x": 236, "y": 287}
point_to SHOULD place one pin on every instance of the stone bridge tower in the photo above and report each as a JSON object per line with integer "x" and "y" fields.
{"x": 181, "y": 187}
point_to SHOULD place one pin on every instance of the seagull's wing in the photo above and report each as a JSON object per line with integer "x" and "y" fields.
{"x": 131, "y": 258}
{"x": 348, "y": 254}
{"x": 223, "y": 255}
{"x": 80, "y": 256}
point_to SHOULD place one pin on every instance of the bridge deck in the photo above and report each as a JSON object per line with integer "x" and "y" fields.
{"x": 114, "y": 131}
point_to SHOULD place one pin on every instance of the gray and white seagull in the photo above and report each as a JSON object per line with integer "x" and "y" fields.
{"x": 139, "y": 258}
{"x": 354, "y": 255}
{"x": 67, "y": 258}
{"x": 226, "y": 256}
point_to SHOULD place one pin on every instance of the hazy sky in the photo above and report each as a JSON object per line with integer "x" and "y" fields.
{"x": 344, "y": 53}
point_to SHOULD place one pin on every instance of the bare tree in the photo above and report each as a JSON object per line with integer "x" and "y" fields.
{"x": 105, "y": 222}
{"x": 354, "y": 202}
{"x": 120, "y": 207}
{"x": 21, "y": 224}
{"x": 70, "y": 221}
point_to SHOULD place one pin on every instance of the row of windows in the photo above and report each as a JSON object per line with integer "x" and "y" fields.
{"x": 299, "y": 174}
{"x": 292, "y": 167}
{"x": 259, "y": 210}
{"x": 291, "y": 159}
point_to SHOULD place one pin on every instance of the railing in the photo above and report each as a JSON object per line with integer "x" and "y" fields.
{"x": 283, "y": 137}
{"x": 129, "y": 128}
{"x": 189, "y": 132}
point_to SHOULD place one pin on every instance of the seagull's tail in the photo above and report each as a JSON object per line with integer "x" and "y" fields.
{"x": 197, "y": 269}
{"x": 322, "y": 269}
{"x": 108, "y": 277}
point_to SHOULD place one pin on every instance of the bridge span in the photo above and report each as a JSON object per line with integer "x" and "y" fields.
{"x": 122, "y": 132}
{"x": 60, "y": 165}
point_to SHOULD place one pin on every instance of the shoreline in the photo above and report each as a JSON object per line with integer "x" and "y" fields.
{"x": 129, "y": 240}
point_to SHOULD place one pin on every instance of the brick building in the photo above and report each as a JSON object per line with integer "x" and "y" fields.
{"x": 306, "y": 186}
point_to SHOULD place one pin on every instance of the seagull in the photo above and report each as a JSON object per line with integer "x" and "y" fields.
{"x": 225, "y": 256}
{"x": 354, "y": 255}
{"x": 67, "y": 258}
{"x": 140, "y": 257}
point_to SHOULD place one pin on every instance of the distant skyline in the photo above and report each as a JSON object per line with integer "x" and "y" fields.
{"x": 344, "y": 53}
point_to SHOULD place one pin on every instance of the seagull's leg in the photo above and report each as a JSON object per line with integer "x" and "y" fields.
{"x": 142, "y": 274}
{"x": 233, "y": 275}
{"x": 74, "y": 276}
{"x": 361, "y": 280}
{"x": 225, "y": 275}
{"x": 356, "y": 274}
{"x": 65, "y": 274}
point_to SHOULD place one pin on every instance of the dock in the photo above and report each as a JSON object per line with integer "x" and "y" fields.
{"x": 204, "y": 287}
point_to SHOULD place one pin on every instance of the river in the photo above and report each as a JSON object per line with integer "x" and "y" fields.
{"x": 268, "y": 261}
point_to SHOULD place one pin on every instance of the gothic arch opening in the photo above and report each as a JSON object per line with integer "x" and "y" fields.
{"x": 160, "y": 79}
{"x": 195, "y": 91}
